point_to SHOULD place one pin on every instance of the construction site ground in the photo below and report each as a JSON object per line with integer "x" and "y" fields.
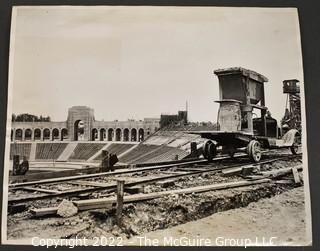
{"x": 282, "y": 216}
{"x": 260, "y": 210}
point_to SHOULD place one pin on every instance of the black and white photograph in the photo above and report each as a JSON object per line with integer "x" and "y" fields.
{"x": 155, "y": 126}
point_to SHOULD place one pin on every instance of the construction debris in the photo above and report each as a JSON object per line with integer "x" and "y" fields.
{"x": 107, "y": 202}
{"x": 134, "y": 189}
{"x": 67, "y": 209}
{"x": 238, "y": 170}
{"x": 101, "y": 203}
{"x": 40, "y": 212}
{"x": 165, "y": 183}
{"x": 281, "y": 172}
{"x": 12, "y": 209}
{"x": 160, "y": 199}
{"x": 246, "y": 170}
{"x": 296, "y": 176}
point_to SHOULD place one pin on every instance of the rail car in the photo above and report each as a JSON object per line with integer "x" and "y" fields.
{"x": 239, "y": 126}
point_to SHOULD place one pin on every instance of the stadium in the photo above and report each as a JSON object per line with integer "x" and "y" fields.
{"x": 100, "y": 146}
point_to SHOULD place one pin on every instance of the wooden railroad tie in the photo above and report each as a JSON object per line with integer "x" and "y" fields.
{"x": 107, "y": 202}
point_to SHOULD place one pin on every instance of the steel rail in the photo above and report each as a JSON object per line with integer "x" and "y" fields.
{"x": 112, "y": 187}
{"x": 122, "y": 171}
{"x": 86, "y": 176}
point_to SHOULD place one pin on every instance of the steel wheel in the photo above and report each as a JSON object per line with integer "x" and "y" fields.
{"x": 205, "y": 149}
{"x": 209, "y": 150}
{"x": 254, "y": 150}
{"x": 212, "y": 151}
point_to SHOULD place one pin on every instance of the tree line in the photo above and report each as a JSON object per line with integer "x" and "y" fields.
{"x": 26, "y": 117}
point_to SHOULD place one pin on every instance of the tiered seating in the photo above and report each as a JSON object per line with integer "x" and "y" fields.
{"x": 144, "y": 158}
{"x": 84, "y": 151}
{"x": 179, "y": 142}
{"x": 140, "y": 150}
{"x": 22, "y": 149}
{"x": 158, "y": 140}
{"x": 169, "y": 155}
{"x": 49, "y": 150}
{"x": 192, "y": 127}
{"x": 116, "y": 148}
{"x": 172, "y": 138}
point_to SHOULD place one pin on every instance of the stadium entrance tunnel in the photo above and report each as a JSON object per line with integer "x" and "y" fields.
{"x": 78, "y": 130}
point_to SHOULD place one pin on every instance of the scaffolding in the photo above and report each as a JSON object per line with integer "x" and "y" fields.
{"x": 292, "y": 116}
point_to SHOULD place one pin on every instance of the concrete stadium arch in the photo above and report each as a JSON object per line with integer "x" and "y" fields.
{"x": 110, "y": 134}
{"x": 37, "y": 134}
{"x": 28, "y": 134}
{"x": 64, "y": 134}
{"x": 55, "y": 134}
{"x": 94, "y": 134}
{"x": 46, "y": 134}
{"x": 126, "y": 134}
{"x": 102, "y": 134}
{"x": 78, "y": 130}
{"x": 133, "y": 134}
{"x": 118, "y": 134}
{"x": 18, "y": 134}
{"x": 141, "y": 135}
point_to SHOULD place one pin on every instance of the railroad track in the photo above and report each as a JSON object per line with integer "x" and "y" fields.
{"x": 85, "y": 184}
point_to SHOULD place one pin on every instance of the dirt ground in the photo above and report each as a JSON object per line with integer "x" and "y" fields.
{"x": 282, "y": 217}
{"x": 203, "y": 215}
{"x": 138, "y": 218}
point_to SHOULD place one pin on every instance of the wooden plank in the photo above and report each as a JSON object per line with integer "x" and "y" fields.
{"x": 87, "y": 183}
{"x": 111, "y": 187}
{"x": 107, "y": 202}
{"x": 42, "y": 190}
{"x": 101, "y": 203}
{"x": 166, "y": 183}
{"x": 246, "y": 170}
{"x": 232, "y": 171}
{"x": 174, "y": 172}
{"x": 134, "y": 189}
{"x": 253, "y": 177}
{"x": 18, "y": 208}
{"x": 284, "y": 182}
{"x": 296, "y": 176}
{"x": 280, "y": 172}
{"x": 44, "y": 211}
{"x": 190, "y": 169}
{"x": 235, "y": 170}
{"x": 120, "y": 193}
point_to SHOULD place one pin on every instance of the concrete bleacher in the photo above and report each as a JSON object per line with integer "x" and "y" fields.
{"x": 158, "y": 140}
{"x": 178, "y": 139}
{"x": 169, "y": 155}
{"x": 49, "y": 151}
{"x": 161, "y": 146}
{"x": 22, "y": 149}
{"x": 179, "y": 142}
{"x": 116, "y": 148}
{"x": 138, "y": 151}
{"x": 84, "y": 151}
{"x": 160, "y": 151}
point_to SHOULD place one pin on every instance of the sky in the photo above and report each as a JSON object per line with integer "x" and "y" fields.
{"x": 138, "y": 62}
